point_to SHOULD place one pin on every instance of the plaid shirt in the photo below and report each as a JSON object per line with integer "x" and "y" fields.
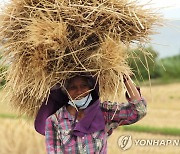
{"x": 58, "y": 128}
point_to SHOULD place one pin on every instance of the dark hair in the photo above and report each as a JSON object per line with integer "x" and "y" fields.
{"x": 68, "y": 82}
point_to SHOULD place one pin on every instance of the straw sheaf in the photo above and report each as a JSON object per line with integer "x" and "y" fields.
{"x": 47, "y": 41}
{"x": 109, "y": 61}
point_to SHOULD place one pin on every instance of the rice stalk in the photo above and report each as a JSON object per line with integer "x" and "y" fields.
{"x": 45, "y": 42}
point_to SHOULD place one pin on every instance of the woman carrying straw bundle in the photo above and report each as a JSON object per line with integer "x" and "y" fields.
{"x": 45, "y": 42}
{"x": 83, "y": 124}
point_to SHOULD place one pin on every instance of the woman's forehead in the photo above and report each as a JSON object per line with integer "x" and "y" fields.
{"x": 77, "y": 79}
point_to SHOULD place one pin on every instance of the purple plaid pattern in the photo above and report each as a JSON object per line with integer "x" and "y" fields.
{"x": 58, "y": 128}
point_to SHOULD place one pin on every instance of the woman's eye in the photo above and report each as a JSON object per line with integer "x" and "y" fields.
{"x": 84, "y": 85}
{"x": 72, "y": 88}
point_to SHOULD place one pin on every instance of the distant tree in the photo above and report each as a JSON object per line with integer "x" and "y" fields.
{"x": 171, "y": 66}
{"x": 144, "y": 63}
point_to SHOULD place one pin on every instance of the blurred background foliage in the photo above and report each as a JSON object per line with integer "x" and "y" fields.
{"x": 146, "y": 65}
{"x": 2, "y": 70}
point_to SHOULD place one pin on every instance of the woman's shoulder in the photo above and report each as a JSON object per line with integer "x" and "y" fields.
{"x": 57, "y": 114}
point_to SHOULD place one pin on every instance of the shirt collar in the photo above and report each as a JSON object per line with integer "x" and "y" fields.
{"x": 66, "y": 114}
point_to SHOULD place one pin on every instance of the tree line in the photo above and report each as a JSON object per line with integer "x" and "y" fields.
{"x": 147, "y": 64}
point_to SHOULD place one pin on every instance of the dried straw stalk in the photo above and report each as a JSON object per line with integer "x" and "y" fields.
{"x": 46, "y": 41}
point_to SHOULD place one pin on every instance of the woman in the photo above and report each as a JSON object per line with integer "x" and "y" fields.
{"x": 83, "y": 124}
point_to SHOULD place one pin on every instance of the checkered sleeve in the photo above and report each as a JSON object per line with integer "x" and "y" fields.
{"x": 117, "y": 114}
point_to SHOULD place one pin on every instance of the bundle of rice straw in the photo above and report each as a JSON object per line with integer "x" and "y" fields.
{"x": 46, "y": 42}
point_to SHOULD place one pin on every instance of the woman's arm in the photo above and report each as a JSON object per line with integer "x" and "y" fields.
{"x": 117, "y": 114}
{"x": 131, "y": 89}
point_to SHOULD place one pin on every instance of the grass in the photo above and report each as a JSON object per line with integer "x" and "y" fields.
{"x": 153, "y": 130}
{"x": 18, "y": 137}
{"x": 159, "y": 81}
{"x": 13, "y": 116}
{"x": 8, "y": 116}
{"x": 135, "y": 128}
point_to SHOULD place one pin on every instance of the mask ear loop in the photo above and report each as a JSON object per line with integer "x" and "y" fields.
{"x": 70, "y": 98}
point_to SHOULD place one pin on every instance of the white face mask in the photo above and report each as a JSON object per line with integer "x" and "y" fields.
{"x": 81, "y": 103}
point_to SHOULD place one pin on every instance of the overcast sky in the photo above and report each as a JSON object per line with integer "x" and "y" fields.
{"x": 170, "y": 8}
{"x": 163, "y": 3}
